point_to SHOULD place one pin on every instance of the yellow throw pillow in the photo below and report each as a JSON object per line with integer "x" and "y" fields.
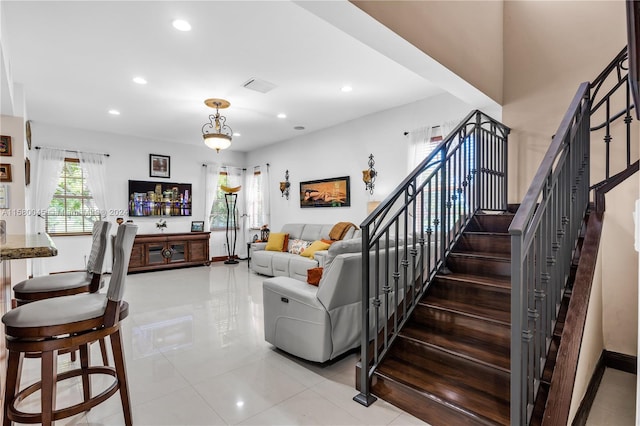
{"x": 313, "y": 248}
{"x": 276, "y": 241}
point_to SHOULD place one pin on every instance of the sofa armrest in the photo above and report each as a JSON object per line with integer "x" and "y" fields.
{"x": 293, "y": 289}
{"x": 320, "y": 256}
{"x": 258, "y": 246}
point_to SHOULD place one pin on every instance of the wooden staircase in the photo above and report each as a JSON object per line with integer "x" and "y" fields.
{"x": 450, "y": 363}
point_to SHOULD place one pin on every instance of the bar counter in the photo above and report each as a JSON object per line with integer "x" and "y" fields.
{"x": 27, "y": 247}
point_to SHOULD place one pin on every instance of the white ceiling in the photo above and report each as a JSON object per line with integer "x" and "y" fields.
{"x": 76, "y": 60}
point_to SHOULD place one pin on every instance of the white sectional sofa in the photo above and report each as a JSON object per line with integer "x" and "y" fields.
{"x": 276, "y": 264}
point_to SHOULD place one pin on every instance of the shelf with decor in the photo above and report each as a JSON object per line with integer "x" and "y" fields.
{"x": 169, "y": 250}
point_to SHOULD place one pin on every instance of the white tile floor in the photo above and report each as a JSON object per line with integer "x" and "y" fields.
{"x": 196, "y": 355}
{"x": 615, "y": 401}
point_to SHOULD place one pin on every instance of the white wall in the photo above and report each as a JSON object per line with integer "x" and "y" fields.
{"x": 344, "y": 150}
{"x": 129, "y": 160}
{"x": 619, "y": 272}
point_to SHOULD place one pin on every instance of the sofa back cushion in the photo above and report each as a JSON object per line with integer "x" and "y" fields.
{"x": 314, "y": 232}
{"x": 294, "y": 230}
{"x": 353, "y": 245}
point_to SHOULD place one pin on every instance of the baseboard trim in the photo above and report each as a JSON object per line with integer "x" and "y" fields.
{"x": 608, "y": 359}
{"x": 587, "y": 401}
{"x": 622, "y": 362}
{"x": 223, "y": 258}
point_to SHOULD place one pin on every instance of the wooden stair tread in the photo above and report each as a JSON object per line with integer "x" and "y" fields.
{"x": 482, "y": 255}
{"x": 499, "y": 316}
{"x": 481, "y": 347}
{"x": 468, "y": 386}
{"x": 487, "y": 280}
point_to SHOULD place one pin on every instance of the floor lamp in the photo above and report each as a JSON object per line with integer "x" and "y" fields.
{"x": 232, "y": 227}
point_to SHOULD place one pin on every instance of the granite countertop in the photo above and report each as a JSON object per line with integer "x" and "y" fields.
{"x": 27, "y": 246}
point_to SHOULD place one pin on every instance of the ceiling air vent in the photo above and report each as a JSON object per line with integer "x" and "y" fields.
{"x": 258, "y": 85}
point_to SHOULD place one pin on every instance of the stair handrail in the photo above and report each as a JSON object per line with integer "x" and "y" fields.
{"x": 543, "y": 234}
{"x": 615, "y": 76}
{"x": 414, "y": 228}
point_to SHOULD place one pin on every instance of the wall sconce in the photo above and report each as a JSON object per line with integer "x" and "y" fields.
{"x": 284, "y": 186}
{"x": 369, "y": 176}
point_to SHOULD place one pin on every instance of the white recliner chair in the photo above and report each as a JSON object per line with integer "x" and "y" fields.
{"x": 319, "y": 323}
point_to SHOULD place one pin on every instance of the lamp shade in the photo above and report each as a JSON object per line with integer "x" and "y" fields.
{"x": 217, "y": 141}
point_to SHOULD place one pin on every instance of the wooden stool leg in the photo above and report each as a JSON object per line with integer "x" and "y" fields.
{"x": 84, "y": 365}
{"x": 14, "y": 371}
{"x": 49, "y": 370}
{"x": 121, "y": 372}
{"x": 103, "y": 351}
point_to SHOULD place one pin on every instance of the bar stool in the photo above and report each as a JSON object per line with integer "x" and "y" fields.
{"x": 51, "y": 326}
{"x": 66, "y": 284}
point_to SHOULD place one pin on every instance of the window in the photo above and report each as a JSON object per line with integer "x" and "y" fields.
{"x": 72, "y": 210}
{"x": 431, "y": 203}
{"x": 218, "y": 217}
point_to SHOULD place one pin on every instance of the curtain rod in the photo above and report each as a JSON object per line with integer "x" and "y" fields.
{"x": 71, "y": 150}
{"x": 433, "y": 127}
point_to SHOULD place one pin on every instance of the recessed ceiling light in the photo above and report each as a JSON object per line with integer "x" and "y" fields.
{"x": 298, "y": 128}
{"x": 282, "y": 115}
{"x": 181, "y": 25}
{"x": 139, "y": 80}
{"x": 237, "y": 134}
{"x": 346, "y": 88}
{"x": 114, "y": 112}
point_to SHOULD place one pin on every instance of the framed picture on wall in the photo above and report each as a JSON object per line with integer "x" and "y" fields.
{"x": 197, "y": 226}
{"x": 334, "y": 192}
{"x": 5, "y": 172}
{"x": 5, "y": 146}
{"x": 159, "y": 166}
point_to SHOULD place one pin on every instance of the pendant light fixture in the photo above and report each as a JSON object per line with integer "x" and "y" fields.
{"x": 216, "y": 133}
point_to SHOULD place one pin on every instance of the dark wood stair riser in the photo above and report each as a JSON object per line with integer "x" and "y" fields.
{"x": 490, "y": 223}
{"x": 475, "y": 294}
{"x": 483, "y": 266}
{"x": 484, "y": 243}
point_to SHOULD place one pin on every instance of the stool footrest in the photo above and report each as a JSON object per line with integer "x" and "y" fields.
{"x": 22, "y": 417}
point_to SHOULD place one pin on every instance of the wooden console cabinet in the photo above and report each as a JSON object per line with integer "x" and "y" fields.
{"x": 162, "y": 251}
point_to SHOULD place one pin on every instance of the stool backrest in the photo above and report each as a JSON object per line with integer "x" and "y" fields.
{"x": 98, "y": 246}
{"x": 121, "y": 253}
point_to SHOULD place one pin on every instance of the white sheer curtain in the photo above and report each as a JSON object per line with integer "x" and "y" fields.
{"x": 48, "y": 164}
{"x": 421, "y": 143}
{"x": 211, "y": 173}
{"x": 258, "y": 196}
{"x": 95, "y": 165}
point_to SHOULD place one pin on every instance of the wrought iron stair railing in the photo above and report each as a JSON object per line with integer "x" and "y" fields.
{"x": 407, "y": 237}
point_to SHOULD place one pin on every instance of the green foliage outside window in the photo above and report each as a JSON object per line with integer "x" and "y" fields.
{"x": 218, "y": 216}
{"x": 72, "y": 209}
